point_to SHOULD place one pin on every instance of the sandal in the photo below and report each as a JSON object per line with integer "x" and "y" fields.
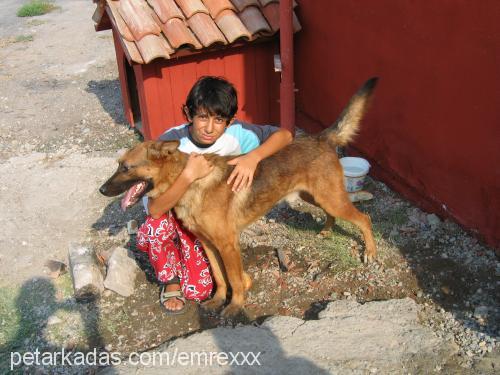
{"x": 165, "y": 296}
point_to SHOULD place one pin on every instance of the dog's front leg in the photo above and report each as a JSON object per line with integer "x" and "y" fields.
{"x": 231, "y": 256}
{"x": 219, "y": 274}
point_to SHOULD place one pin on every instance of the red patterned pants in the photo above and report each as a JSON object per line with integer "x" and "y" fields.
{"x": 175, "y": 252}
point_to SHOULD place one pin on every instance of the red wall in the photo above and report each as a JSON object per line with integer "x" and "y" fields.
{"x": 166, "y": 84}
{"x": 433, "y": 129}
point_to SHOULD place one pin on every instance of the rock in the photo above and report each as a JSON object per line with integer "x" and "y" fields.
{"x": 122, "y": 269}
{"x": 283, "y": 259}
{"x": 56, "y": 268}
{"x": 361, "y": 195}
{"x": 433, "y": 220}
{"x": 85, "y": 272}
{"x": 481, "y": 312}
{"x": 53, "y": 320}
{"x": 445, "y": 289}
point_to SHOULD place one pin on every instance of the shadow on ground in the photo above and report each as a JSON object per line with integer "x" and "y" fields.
{"x": 109, "y": 95}
{"x": 33, "y": 322}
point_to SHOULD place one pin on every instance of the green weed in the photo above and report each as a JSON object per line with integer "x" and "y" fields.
{"x": 35, "y": 8}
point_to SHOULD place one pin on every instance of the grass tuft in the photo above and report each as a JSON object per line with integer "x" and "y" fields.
{"x": 35, "y": 8}
{"x": 23, "y": 38}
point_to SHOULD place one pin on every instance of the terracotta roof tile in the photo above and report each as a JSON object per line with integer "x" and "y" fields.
{"x": 137, "y": 16}
{"x": 191, "y": 7}
{"x": 242, "y": 4}
{"x": 272, "y": 14}
{"x": 217, "y": 6}
{"x": 205, "y": 29}
{"x": 166, "y": 9}
{"x": 119, "y": 22}
{"x": 265, "y": 2}
{"x": 152, "y": 46}
{"x": 179, "y": 35}
{"x": 255, "y": 21}
{"x": 132, "y": 51}
{"x": 231, "y": 26}
{"x": 150, "y": 29}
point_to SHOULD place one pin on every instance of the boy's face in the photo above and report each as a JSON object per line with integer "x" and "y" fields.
{"x": 207, "y": 128}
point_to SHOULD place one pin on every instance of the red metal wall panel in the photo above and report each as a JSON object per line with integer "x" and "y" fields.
{"x": 433, "y": 131}
{"x": 166, "y": 83}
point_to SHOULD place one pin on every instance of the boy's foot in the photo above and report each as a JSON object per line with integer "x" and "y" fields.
{"x": 171, "y": 299}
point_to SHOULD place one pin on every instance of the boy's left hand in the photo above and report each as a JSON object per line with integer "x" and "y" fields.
{"x": 242, "y": 175}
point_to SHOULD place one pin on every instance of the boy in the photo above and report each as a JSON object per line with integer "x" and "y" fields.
{"x": 177, "y": 257}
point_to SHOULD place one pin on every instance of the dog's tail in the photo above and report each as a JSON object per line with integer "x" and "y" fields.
{"x": 347, "y": 125}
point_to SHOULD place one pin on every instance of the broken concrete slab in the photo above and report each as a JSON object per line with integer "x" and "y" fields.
{"x": 85, "y": 272}
{"x": 122, "y": 270}
{"x": 376, "y": 337}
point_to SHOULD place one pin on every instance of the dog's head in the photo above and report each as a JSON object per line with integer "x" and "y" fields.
{"x": 141, "y": 170}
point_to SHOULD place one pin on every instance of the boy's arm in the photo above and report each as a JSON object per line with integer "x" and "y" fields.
{"x": 196, "y": 167}
{"x": 242, "y": 175}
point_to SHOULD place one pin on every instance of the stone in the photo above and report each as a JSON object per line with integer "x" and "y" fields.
{"x": 55, "y": 268}
{"x": 122, "y": 270}
{"x": 433, "y": 220}
{"x": 481, "y": 312}
{"x": 85, "y": 272}
{"x": 53, "y": 320}
{"x": 283, "y": 259}
{"x": 359, "y": 196}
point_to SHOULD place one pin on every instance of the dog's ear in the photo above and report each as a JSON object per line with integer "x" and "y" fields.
{"x": 161, "y": 149}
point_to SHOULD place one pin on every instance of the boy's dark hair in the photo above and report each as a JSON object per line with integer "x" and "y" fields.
{"x": 213, "y": 94}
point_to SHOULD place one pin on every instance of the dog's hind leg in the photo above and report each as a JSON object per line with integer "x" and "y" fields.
{"x": 219, "y": 274}
{"x": 330, "y": 220}
{"x": 339, "y": 205}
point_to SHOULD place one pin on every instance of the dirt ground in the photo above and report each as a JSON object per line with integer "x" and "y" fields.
{"x": 62, "y": 127}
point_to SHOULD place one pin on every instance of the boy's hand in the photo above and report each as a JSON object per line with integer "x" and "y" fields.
{"x": 197, "y": 167}
{"x": 242, "y": 175}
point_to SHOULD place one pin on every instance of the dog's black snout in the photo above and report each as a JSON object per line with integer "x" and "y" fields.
{"x": 103, "y": 190}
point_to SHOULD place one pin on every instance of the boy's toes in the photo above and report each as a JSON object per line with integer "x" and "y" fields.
{"x": 174, "y": 304}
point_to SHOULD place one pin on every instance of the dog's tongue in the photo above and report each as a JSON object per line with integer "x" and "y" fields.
{"x": 131, "y": 196}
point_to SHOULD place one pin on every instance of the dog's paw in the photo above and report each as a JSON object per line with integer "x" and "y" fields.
{"x": 213, "y": 304}
{"x": 368, "y": 258}
{"x": 232, "y": 310}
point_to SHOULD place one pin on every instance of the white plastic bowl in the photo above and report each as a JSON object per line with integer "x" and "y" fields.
{"x": 355, "y": 171}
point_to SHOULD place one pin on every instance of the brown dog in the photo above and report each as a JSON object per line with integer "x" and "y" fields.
{"x": 216, "y": 215}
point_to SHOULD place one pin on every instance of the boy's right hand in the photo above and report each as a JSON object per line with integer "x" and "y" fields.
{"x": 197, "y": 167}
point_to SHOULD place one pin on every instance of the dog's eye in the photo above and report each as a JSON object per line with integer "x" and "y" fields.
{"x": 124, "y": 168}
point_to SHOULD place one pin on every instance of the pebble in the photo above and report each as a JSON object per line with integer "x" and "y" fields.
{"x": 53, "y": 320}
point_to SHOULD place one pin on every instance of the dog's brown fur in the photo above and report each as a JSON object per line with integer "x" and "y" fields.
{"x": 216, "y": 215}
